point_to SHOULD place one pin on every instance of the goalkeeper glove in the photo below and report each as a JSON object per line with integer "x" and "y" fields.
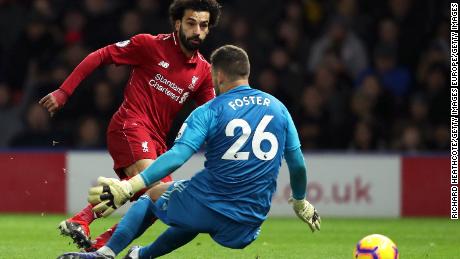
{"x": 111, "y": 193}
{"x": 306, "y": 212}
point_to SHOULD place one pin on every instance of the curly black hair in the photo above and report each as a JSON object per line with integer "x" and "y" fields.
{"x": 178, "y": 7}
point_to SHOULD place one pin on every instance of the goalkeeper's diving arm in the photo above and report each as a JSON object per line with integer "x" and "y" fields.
{"x": 298, "y": 179}
{"x": 163, "y": 166}
{"x": 297, "y": 173}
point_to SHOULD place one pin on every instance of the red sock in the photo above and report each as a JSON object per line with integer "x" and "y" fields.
{"x": 103, "y": 238}
{"x": 85, "y": 216}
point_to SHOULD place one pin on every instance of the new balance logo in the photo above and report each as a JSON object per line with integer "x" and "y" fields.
{"x": 163, "y": 64}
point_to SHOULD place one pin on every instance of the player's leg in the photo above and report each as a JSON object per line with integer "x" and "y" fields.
{"x": 177, "y": 207}
{"x": 138, "y": 218}
{"x": 77, "y": 227}
{"x": 167, "y": 242}
{"x": 202, "y": 219}
{"x": 132, "y": 170}
{"x": 132, "y": 150}
{"x": 232, "y": 234}
{"x": 133, "y": 224}
{"x": 128, "y": 172}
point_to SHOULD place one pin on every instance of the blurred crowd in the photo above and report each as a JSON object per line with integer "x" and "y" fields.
{"x": 356, "y": 75}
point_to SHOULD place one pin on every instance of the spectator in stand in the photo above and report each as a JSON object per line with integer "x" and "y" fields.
{"x": 412, "y": 21}
{"x": 361, "y": 107}
{"x": 130, "y": 25}
{"x": 313, "y": 119}
{"x": 268, "y": 82}
{"x": 239, "y": 32}
{"x": 411, "y": 139}
{"x": 9, "y": 114}
{"x": 358, "y": 22}
{"x": 381, "y": 99}
{"x": 335, "y": 98}
{"x": 289, "y": 74}
{"x": 329, "y": 39}
{"x": 413, "y": 127}
{"x": 364, "y": 138}
{"x": 116, "y": 76}
{"x": 418, "y": 113}
{"x": 441, "y": 139}
{"x": 290, "y": 37}
{"x": 152, "y": 17}
{"x": 36, "y": 131}
{"x": 33, "y": 46}
{"x": 348, "y": 47}
{"x": 394, "y": 77}
{"x": 104, "y": 104}
{"x": 100, "y": 29}
{"x": 388, "y": 33}
{"x": 89, "y": 134}
{"x": 434, "y": 54}
{"x": 74, "y": 22}
{"x": 442, "y": 37}
{"x": 436, "y": 88}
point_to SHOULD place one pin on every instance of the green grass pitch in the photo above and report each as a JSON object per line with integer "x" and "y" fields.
{"x": 36, "y": 236}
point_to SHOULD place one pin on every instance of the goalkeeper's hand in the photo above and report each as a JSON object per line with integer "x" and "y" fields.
{"x": 307, "y": 213}
{"x": 111, "y": 193}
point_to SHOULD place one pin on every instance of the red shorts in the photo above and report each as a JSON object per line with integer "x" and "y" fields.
{"x": 131, "y": 144}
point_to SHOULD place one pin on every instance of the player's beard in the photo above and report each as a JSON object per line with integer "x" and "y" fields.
{"x": 188, "y": 42}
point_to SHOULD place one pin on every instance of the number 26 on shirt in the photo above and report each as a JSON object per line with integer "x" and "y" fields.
{"x": 259, "y": 135}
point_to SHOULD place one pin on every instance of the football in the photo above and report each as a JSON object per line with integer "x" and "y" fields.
{"x": 376, "y": 246}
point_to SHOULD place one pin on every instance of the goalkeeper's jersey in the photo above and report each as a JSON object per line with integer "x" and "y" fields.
{"x": 247, "y": 132}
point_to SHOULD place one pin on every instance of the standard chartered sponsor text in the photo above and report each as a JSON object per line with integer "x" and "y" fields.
{"x": 169, "y": 88}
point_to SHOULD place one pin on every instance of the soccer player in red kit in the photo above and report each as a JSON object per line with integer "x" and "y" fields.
{"x": 166, "y": 70}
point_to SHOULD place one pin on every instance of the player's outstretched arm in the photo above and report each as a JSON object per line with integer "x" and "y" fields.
{"x": 111, "y": 193}
{"x": 56, "y": 99}
{"x": 298, "y": 179}
{"x": 167, "y": 163}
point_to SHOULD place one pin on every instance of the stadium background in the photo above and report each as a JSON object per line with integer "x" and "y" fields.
{"x": 356, "y": 75}
{"x": 366, "y": 83}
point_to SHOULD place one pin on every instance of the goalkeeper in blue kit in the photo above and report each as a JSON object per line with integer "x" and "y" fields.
{"x": 247, "y": 134}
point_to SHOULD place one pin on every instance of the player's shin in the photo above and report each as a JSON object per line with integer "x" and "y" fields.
{"x": 170, "y": 240}
{"x": 133, "y": 224}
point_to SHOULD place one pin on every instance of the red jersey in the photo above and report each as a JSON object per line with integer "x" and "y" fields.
{"x": 162, "y": 79}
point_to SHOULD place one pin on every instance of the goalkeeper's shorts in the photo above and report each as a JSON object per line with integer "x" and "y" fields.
{"x": 178, "y": 208}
